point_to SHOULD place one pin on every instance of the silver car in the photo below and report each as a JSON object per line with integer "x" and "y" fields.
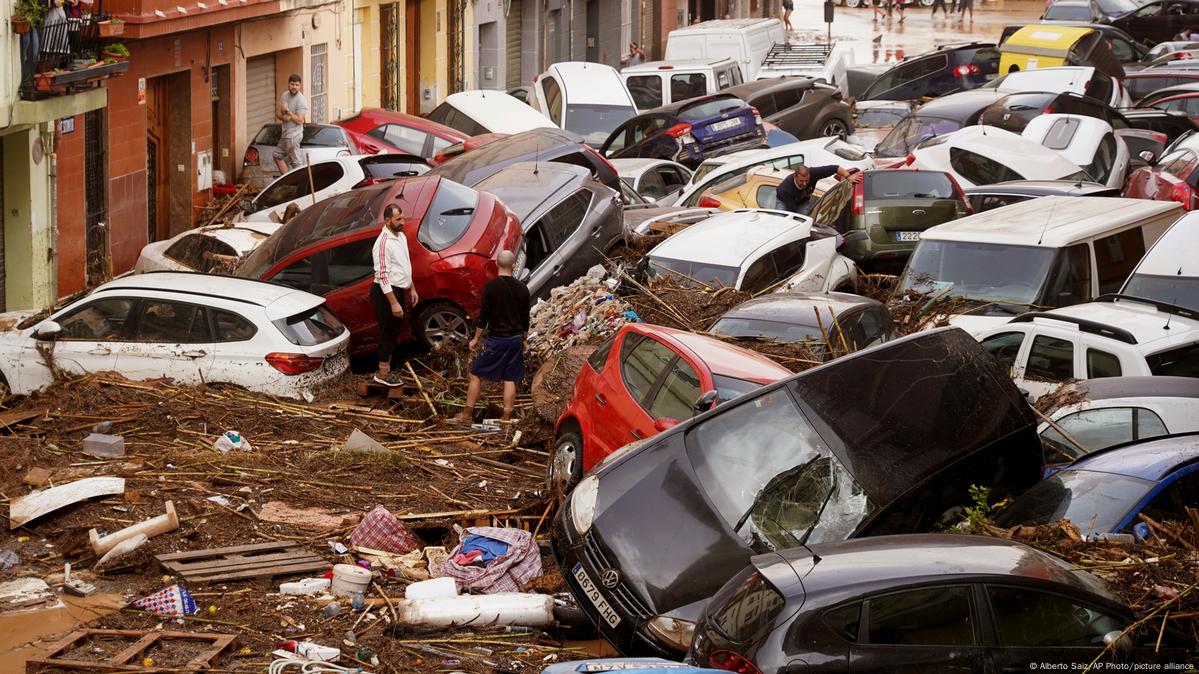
{"x": 320, "y": 141}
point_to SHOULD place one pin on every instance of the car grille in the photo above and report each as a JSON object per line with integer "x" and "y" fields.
{"x": 621, "y": 595}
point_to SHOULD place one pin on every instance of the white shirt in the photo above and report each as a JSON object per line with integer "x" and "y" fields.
{"x": 392, "y": 266}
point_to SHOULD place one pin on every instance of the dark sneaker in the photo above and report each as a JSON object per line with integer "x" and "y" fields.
{"x": 390, "y": 379}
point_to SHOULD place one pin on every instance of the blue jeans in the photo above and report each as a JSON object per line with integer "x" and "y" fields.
{"x": 31, "y": 46}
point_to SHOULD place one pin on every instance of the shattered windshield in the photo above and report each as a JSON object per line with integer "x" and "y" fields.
{"x": 912, "y": 131}
{"x": 1007, "y": 277}
{"x": 1095, "y": 502}
{"x": 772, "y": 478}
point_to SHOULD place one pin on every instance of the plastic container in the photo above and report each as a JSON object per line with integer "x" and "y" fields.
{"x": 307, "y": 586}
{"x": 432, "y": 589}
{"x": 311, "y": 651}
{"x": 348, "y": 579}
{"x": 104, "y": 446}
{"x": 503, "y": 608}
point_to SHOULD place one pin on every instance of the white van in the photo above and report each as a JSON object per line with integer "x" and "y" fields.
{"x": 1170, "y": 270}
{"x": 1037, "y": 254}
{"x": 659, "y": 83}
{"x": 589, "y": 99}
{"x": 483, "y": 111}
{"x": 746, "y": 41}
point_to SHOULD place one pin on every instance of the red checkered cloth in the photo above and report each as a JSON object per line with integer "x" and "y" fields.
{"x": 380, "y": 530}
{"x": 506, "y": 573}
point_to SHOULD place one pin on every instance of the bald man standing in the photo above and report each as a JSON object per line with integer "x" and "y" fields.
{"x": 795, "y": 192}
{"x": 505, "y": 318}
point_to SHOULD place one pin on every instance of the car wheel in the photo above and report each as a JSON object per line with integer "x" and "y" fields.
{"x": 566, "y": 466}
{"x": 853, "y": 4}
{"x": 833, "y": 127}
{"x": 441, "y": 323}
{"x": 926, "y": 3}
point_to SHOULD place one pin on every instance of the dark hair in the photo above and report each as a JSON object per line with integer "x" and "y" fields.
{"x": 391, "y": 210}
{"x": 293, "y": 78}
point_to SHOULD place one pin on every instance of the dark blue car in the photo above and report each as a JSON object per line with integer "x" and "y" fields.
{"x": 1105, "y": 492}
{"x": 689, "y": 132}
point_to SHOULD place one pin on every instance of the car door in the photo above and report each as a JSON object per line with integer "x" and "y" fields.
{"x": 1007, "y": 348}
{"x": 623, "y": 401}
{"x": 651, "y": 186}
{"x": 1050, "y": 360}
{"x": 343, "y": 275}
{"x": 672, "y": 178}
{"x": 646, "y": 139}
{"x": 326, "y": 178}
{"x": 170, "y": 339}
{"x": 91, "y": 334}
{"x": 1098, "y": 428}
{"x": 571, "y": 252}
{"x": 925, "y": 629}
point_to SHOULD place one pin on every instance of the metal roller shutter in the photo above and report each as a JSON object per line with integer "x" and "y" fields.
{"x": 512, "y": 46}
{"x": 260, "y": 93}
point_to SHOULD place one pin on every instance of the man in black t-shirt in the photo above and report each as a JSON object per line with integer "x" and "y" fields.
{"x": 795, "y": 192}
{"x": 505, "y": 317}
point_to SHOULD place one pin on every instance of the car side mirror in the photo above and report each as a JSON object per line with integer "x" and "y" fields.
{"x": 1118, "y": 641}
{"x": 247, "y": 206}
{"x": 665, "y": 424}
{"x": 705, "y": 402}
{"x": 48, "y": 330}
{"x": 1147, "y": 156}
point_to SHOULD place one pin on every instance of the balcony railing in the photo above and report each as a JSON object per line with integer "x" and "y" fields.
{"x": 67, "y": 56}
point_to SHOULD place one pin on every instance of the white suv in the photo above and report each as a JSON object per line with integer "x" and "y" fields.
{"x": 190, "y": 328}
{"x": 1113, "y": 336}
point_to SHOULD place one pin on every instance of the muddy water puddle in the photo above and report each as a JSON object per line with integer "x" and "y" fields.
{"x": 27, "y": 634}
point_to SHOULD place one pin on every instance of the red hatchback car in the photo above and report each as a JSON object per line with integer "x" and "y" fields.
{"x": 643, "y": 380}
{"x": 454, "y": 235}
{"x": 376, "y": 130}
{"x": 1175, "y": 177}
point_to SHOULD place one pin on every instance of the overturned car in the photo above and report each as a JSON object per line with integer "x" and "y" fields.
{"x": 884, "y": 441}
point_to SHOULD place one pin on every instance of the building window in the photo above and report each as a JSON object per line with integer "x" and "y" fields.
{"x": 318, "y": 104}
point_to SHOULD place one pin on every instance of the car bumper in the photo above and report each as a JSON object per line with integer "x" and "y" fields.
{"x": 587, "y": 553}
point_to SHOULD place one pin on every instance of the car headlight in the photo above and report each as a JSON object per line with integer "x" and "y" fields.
{"x": 673, "y": 631}
{"x": 582, "y": 504}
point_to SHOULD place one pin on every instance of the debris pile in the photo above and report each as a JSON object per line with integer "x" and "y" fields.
{"x": 583, "y": 312}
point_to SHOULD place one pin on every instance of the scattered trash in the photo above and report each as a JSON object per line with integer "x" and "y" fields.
{"x": 9, "y": 559}
{"x": 380, "y": 530}
{"x": 173, "y": 600}
{"x": 310, "y": 650}
{"x": 76, "y": 651}
{"x": 150, "y": 528}
{"x": 432, "y": 589}
{"x": 492, "y": 559}
{"x": 230, "y": 441}
{"x": 221, "y": 500}
{"x": 361, "y": 442}
{"x": 581, "y": 312}
{"x": 122, "y": 548}
{"x": 74, "y": 586}
{"x": 255, "y": 560}
{"x": 503, "y": 608}
{"x": 315, "y": 518}
{"x": 348, "y": 579}
{"x": 27, "y": 593}
{"x": 102, "y": 427}
{"x": 436, "y": 556}
{"x": 307, "y": 586}
{"x": 337, "y": 547}
{"x": 104, "y": 446}
{"x": 332, "y": 609}
{"x": 37, "y": 476}
{"x": 32, "y": 506}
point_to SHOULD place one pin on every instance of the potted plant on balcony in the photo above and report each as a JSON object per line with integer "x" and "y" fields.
{"x": 26, "y": 15}
{"x": 112, "y": 28}
{"x": 115, "y": 52}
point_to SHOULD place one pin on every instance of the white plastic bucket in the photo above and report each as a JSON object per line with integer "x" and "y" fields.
{"x": 504, "y": 608}
{"x": 348, "y": 579}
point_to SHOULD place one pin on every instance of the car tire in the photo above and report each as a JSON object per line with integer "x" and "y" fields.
{"x": 440, "y": 322}
{"x": 566, "y": 464}
{"x": 832, "y": 126}
{"x": 853, "y": 4}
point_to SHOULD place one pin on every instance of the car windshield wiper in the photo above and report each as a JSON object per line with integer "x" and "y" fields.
{"x": 465, "y": 210}
{"x": 774, "y": 480}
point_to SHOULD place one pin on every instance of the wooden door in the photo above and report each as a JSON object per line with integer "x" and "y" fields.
{"x": 412, "y": 55}
{"x": 157, "y": 160}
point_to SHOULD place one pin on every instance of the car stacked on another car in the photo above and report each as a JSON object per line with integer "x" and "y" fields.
{"x": 825, "y": 323}
{"x": 981, "y": 155}
{"x": 319, "y": 141}
{"x": 689, "y": 132}
{"x": 328, "y": 178}
{"x": 377, "y": 130}
{"x": 941, "y": 71}
{"x": 801, "y": 106}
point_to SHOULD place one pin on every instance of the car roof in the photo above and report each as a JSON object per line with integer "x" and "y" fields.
{"x": 901, "y": 559}
{"x": 1059, "y": 77}
{"x": 959, "y": 105}
{"x": 1145, "y": 322}
{"x": 534, "y": 144}
{"x": 721, "y": 358}
{"x": 1050, "y": 221}
{"x": 384, "y": 116}
{"x": 1148, "y": 460}
{"x": 280, "y": 301}
{"x": 610, "y": 92}
{"x": 770, "y": 84}
{"x": 1186, "y": 74}
{"x": 525, "y": 185}
{"x": 1040, "y": 188}
{"x": 762, "y": 154}
{"x": 1177, "y": 89}
{"x": 729, "y": 239}
{"x": 500, "y": 112}
{"x": 243, "y": 236}
{"x": 1000, "y": 145}
{"x": 1174, "y": 253}
{"x": 723, "y": 25}
{"x": 797, "y": 307}
{"x": 1109, "y": 388}
{"x": 650, "y": 67}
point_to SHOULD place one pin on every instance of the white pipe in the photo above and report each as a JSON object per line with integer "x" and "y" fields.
{"x": 502, "y": 608}
{"x": 151, "y": 528}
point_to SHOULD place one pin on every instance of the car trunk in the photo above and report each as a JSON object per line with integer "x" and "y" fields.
{"x": 911, "y": 214}
{"x": 726, "y": 127}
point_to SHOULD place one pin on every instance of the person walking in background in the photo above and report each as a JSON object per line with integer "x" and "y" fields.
{"x": 941, "y": 4}
{"x": 505, "y": 318}
{"x": 392, "y": 294}
{"x": 788, "y": 7}
{"x": 636, "y": 56}
{"x": 966, "y": 5}
{"x": 293, "y": 108}
{"x": 896, "y": 5}
{"x": 877, "y": 6}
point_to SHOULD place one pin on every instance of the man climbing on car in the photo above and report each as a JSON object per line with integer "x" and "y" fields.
{"x": 795, "y": 192}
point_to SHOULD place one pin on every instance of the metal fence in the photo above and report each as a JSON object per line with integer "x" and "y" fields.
{"x": 67, "y": 41}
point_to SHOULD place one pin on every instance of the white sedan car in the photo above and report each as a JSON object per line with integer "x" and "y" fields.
{"x": 1086, "y": 142}
{"x": 1082, "y": 80}
{"x": 651, "y": 178}
{"x": 204, "y": 248}
{"x": 190, "y": 328}
{"x": 984, "y": 155}
{"x": 754, "y": 250}
{"x": 328, "y": 178}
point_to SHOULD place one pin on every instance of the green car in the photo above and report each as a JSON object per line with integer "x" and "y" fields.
{"x": 882, "y": 216}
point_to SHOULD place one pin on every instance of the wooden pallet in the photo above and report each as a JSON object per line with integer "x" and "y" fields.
{"x": 242, "y": 562}
{"x": 141, "y": 642}
{"x": 370, "y": 389}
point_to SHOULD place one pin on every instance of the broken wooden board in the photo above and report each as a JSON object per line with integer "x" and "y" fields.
{"x": 312, "y": 518}
{"x": 367, "y": 389}
{"x": 11, "y": 418}
{"x": 243, "y": 562}
{"x": 139, "y": 642}
{"x": 34, "y": 505}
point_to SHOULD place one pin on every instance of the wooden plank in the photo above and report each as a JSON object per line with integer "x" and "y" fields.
{"x": 194, "y": 571}
{"x": 216, "y": 552}
{"x": 135, "y": 649}
{"x": 455, "y": 513}
{"x": 13, "y": 417}
{"x": 239, "y": 561}
{"x": 119, "y": 663}
{"x": 34, "y": 505}
{"x": 204, "y": 660}
{"x": 266, "y": 572}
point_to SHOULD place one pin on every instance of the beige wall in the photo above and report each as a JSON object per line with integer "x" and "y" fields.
{"x": 28, "y": 220}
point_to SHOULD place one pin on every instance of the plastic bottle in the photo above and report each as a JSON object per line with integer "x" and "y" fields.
{"x": 332, "y": 609}
{"x": 310, "y": 650}
{"x": 357, "y": 601}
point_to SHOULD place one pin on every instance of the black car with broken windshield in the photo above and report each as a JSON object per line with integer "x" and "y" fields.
{"x": 886, "y": 440}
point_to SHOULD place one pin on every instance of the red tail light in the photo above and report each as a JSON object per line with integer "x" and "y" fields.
{"x": 910, "y": 160}
{"x": 962, "y": 71}
{"x": 859, "y": 198}
{"x": 665, "y": 67}
{"x": 961, "y": 194}
{"x": 1159, "y": 137}
{"x": 1183, "y": 194}
{"x": 367, "y": 182}
{"x": 732, "y": 662}
{"x": 708, "y": 202}
{"x": 678, "y": 130}
{"x": 1049, "y": 110}
{"x": 294, "y": 363}
{"x": 251, "y": 157}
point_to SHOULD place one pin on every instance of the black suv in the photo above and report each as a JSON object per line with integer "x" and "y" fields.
{"x": 936, "y": 73}
{"x": 798, "y": 105}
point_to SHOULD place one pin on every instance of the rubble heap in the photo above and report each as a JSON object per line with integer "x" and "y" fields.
{"x": 582, "y": 312}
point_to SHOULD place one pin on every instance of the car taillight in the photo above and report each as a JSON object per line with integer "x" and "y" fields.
{"x": 962, "y": 71}
{"x": 732, "y": 662}
{"x": 859, "y": 198}
{"x": 910, "y": 160}
{"x": 961, "y": 194}
{"x": 665, "y": 67}
{"x": 678, "y": 130}
{"x": 757, "y": 116}
{"x": 294, "y": 363}
{"x": 1159, "y": 137}
{"x": 1049, "y": 110}
{"x": 251, "y": 157}
{"x": 708, "y": 202}
{"x": 367, "y": 182}
{"x": 1183, "y": 194}
{"x": 603, "y": 160}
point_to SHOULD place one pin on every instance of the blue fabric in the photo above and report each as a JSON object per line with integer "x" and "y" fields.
{"x": 502, "y": 359}
{"x": 490, "y": 547}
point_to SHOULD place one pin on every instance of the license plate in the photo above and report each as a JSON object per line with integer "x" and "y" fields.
{"x": 907, "y": 236}
{"x": 597, "y": 599}
{"x": 726, "y": 124}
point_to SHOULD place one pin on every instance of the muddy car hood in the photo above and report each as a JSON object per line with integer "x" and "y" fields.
{"x": 896, "y": 416}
